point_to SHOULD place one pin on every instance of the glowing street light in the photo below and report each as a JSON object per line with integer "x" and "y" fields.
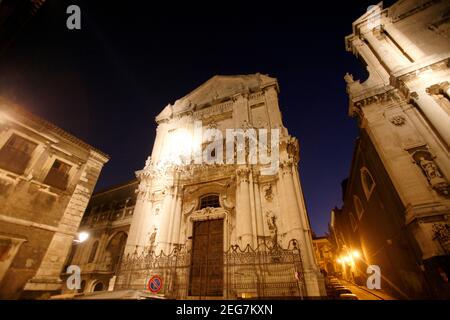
{"x": 82, "y": 236}
{"x": 356, "y": 254}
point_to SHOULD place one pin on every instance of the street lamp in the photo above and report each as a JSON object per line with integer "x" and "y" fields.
{"x": 356, "y": 254}
{"x": 82, "y": 236}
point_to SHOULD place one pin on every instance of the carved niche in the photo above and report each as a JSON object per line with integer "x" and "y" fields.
{"x": 426, "y": 162}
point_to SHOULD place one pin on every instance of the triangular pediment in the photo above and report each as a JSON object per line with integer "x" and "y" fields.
{"x": 217, "y": 89}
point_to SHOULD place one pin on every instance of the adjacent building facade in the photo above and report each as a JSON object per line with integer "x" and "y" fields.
{"x": 324, "y": 255}
{"x": 397, "y": 199}
{"x": 107, "y": 221}
{"x": 46, "y": 179}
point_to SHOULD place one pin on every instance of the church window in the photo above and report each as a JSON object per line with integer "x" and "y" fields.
{"x": 211, "y": 201}
{"x": 358, "y": 206}
{"x": 368, "y": 182}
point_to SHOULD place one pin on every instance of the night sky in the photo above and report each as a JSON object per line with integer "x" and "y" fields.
{"x": 106, "y": 82}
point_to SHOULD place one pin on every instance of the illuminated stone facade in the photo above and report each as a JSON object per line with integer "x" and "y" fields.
{"x": 397, "y": 199}
{"x": 46, "y": 179}
{"x": 248, "y": 207}
{"x": 107, "y": 222}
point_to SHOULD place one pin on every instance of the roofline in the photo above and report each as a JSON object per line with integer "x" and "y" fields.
{"x": 115, "y": 187}
{"x": 7, "y": 105}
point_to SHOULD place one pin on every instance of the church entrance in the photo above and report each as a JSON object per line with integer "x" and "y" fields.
{"x": 206, "y": 272}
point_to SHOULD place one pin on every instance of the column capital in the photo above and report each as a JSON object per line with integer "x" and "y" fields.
{"x": 242, "y": 174}
{"x": 286, "y": 166}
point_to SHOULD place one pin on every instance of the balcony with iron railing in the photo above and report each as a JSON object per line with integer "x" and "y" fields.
{"x": 57, "y": 179}
{"x": 13, "y": 160}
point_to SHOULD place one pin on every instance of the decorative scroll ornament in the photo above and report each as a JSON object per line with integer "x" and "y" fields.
{"x": 398, "y": 120}
{"x": 268, "y": 193}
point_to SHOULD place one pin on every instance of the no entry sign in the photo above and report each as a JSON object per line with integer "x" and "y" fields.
{"x": 154, "y": 284}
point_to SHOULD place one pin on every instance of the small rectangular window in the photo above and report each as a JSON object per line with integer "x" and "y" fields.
{"x": 58, "y": 176}
{"x": 16, "y": 154}
{"x": 211, "y": 201}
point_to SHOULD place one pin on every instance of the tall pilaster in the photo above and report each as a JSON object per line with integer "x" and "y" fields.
{"x": 243, "y": 211}
{"x": 175, "y": 238}
{"x": 163, "y": 233}
{"x": 434, "y": 113}
{"x": 142, "y": 211}
{"x": 298, "y": 228}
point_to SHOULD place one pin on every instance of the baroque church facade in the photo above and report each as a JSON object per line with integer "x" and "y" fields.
{"x": 214, "y": 226}
{"x": 207, "y": 208}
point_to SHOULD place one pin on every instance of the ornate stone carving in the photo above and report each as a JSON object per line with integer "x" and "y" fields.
{"x": 152, "y": 240}
{"x": 271, "y": 221}
{"x": 379, "y": 98}
{"x": 243, "y": 174}
{"x": 189, "y": 207}
{"x": 398, "y": 120}
{"x": 348, "y": 78}
{"x": 425, "y": 160}
{"x": 212, "y": 124}
{"x": 433, "y": 175}
{"x": 208, "y": 213}
{"x": 286, "y": 166}
{"x": 268, "y": 194}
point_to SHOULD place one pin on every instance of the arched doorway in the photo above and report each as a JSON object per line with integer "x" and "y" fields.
{"x": 114, "y": 250}
{"x": 83, "y": 286}
{"x": 98, "y": 287}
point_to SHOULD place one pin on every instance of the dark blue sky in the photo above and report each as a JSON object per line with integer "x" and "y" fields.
{"x": 106, "y": 82}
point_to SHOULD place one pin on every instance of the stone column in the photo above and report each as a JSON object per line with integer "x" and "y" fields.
{"x": 376, "y": 69}
{"x": 157, "y": 148}
{"x": 142, "y": 210}
{"x": 243, "y": 214}
{"x": 292, "y": 213}
{"x": 171, "y": 213}
{"x": 386, "y": 52}
{"x": 163, "y": 230}
{"x": 405, "y": 43}
{"x": 252, "y": 207}
{"x": 297, "y": 229}
{"x": 434, "y": 113}
{"x": 240, "y": 110}
{"x": 271, "y": 96}
{"x": 175, "y": 238}
{"x": 259, "y": 213}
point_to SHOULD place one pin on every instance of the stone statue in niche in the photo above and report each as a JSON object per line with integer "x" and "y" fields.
{"x": 398, "y": 120}
{"x": 268, "y": 194}
{"x": 151, "y": 241}
{"x": 430, "y": 169}
{"x": 272, "y": 225}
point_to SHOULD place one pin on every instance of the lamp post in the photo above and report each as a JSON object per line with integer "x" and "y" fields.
{"x": 82, "y": 236}
{"x": 349, "y": 260}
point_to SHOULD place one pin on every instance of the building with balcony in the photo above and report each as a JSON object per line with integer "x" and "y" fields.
{"x": 107, "y": 222}
{"x": 46, "y": 179}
